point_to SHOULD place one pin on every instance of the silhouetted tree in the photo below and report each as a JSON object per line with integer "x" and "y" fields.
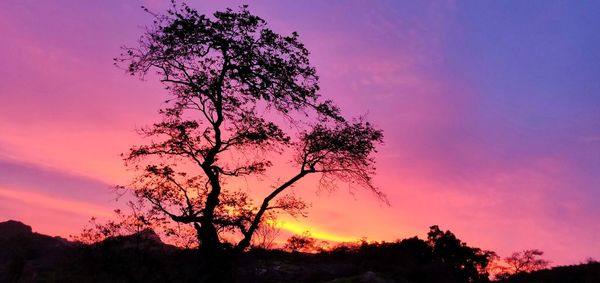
{"x": 124, "y": 223}
{"x": 526, "y": 261}
{"x": 239, "y": 91}
{"x": 466, "y": 264}
{"x": 301, "y": 243}
{"x": 265, "y": 235}
{"x": 518, "y": 262}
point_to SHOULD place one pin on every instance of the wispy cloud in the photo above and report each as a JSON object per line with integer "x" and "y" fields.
{"x": 40, "y": 202}
{"x": 47, "y": 180}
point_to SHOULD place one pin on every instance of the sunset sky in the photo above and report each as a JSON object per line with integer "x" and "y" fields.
{"x": 490, "y": 110}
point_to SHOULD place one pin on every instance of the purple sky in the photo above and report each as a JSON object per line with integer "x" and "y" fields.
{"x": 491, "y": 114}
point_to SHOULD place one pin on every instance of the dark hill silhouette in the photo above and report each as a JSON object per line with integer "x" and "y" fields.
{"x": 13, "y": 228}
{"x": 32, "y": 257}
{"x": 144, "y": 240}
{"x": 26, "y": 252}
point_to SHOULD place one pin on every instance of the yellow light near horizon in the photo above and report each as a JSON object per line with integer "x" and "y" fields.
{"x": 299, "y": 228}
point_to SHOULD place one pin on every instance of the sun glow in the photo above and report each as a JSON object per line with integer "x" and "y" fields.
{"x": 299, "y": 228}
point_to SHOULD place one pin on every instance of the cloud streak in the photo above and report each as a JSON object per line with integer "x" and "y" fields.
{"x": 40, "y": 202}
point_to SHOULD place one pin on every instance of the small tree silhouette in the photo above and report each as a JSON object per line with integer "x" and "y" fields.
{"x": 133, "y": 222}
{"x": 526, "y": 261}
{"x": 518, "y": 262}
{"x": 266, "y": 234}
{"x": 301, "y": 243}
{"x": 239, "y": 94}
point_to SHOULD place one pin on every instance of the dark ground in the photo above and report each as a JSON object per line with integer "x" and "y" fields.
{"x": 31, "y": 257}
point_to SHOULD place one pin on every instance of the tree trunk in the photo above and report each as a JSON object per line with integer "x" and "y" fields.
{"x": 208, "y": 239}
{"x": 216, "y": 264}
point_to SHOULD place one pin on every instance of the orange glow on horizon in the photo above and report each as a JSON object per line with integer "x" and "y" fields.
{"x": 315, "y": 232}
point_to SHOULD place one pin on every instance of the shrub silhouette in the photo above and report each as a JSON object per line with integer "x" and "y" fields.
{"x": 521, "y": 262}
{"x": 301, "y": 243}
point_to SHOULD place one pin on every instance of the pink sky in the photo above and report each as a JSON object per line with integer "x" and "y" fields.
{"x": 491, "y": 116}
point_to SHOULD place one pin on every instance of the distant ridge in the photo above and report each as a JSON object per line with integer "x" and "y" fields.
{"x": 13, "y": 228}
{"x": 26, "y": 256}
{"x": 17, "y": 230}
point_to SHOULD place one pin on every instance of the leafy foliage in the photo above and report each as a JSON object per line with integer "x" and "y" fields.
{"x": 467, "y": 264}
{"x": 521, "y": 262}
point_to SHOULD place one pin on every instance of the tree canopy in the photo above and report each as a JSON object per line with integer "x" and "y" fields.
{"x": 468, "y": 264}
{"x": 239, "y": 93}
